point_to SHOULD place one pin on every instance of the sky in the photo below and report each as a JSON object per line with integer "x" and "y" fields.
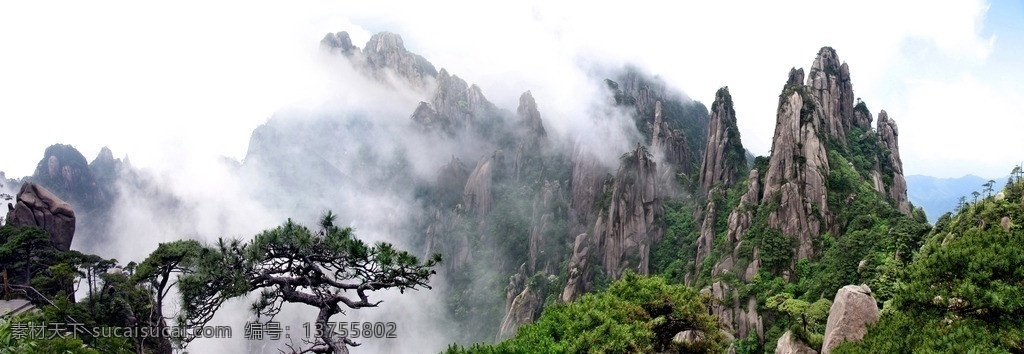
{"x": 164, "y": 82}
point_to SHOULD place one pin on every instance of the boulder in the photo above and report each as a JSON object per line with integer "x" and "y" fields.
{"x": 852, "y": 311}
{"x": 37, "y": 206}
{"x": 789, "y": 344}
{"x": 688, "y": 337}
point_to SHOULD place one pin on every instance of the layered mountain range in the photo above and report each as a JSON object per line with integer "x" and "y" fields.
{"x": 526, "y": 218}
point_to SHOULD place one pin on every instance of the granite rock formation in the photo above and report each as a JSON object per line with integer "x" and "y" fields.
{"x": 828, "y": 82}
{"x": 888, "y": 133}
{"x": 384, "y": 57}
{"x": 580, "y": 269}
{"x": 797, "y": 169}
{"x": 724, "y": 157}
{"x": 852, "y": 311}
{"x": 628, "y": 229}
{"x": 456, "y": 107}
{"x": 37, "y": 206}
{"x": 522, "y": 305}
{"x": 790, "y": 344}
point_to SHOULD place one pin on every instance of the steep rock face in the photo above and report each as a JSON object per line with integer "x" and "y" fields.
{"x": 107, "y": 170}
{"x": 340, "y": 41}
{"x": 64, "y": 171}
{"x": 741, "y": 218}
{"x": 738, "y": 318}
{"x": 532, "y": 136}
{"x": 671, "y": 142}
{"x": 852, "y": 311}
{"x": 676, "y": 125}
{"x": 724, "y": 155}
{"x": 522, "y": 309}
{"x": 862, "y": 117}
{"x": 451, "y": 181}
{"x": 542, "y": 226}
{"x": 797, "y": 170}
{"x": 387, "y": 50}
{"x": 529, "y": 115}
{"x": 628, "y": 228}
{"x": 456, "y": 107}
{"x": 477, "y": 198}
{"x": 829, "y": 83}
{"x": 706, "y": 240}
{"x": 383, "y": 57}
{"x": 789, "y": 344}
{"x": 37, "y": 206}
{"x": 580, "y": 272}
{"x": 586, "y": 187}
{"x": 889, "y": 134}
{"x": 440, "y": 237}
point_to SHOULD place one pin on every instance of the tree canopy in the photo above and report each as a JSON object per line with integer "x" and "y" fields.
{"x": 326, "y": 269}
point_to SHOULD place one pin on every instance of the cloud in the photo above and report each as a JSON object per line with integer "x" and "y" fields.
{"x": 177, "y": 86}
{"x": 964, "y": 123}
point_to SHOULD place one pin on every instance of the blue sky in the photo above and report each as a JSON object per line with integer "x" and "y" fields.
{"x": 168, "y": 84}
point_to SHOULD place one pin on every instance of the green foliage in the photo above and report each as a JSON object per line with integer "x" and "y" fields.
{"x": 671, "y": 256}
{"x": 325, "y": 269}
{"x": 963, "y": 290}
{"x": 634, "y": 315}
{"x": 806, "y": 319}
{"x": 12, "y": 343}
{"x": 112, "y": 300}
{"x": 776, "y": 248}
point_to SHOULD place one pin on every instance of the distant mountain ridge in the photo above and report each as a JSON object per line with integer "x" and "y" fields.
{"x": 938, "y": 196}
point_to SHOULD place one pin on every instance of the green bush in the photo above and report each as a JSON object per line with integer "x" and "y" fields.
{"x": 634, "y": 315}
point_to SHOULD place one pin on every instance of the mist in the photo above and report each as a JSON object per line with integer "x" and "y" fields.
{"x": 204, "y": 166}
{"x": 353, "y": 149}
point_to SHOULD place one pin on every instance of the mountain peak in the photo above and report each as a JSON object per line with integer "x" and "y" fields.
{"x": 724, "y": 158}
{"x": 529, "y": 115}
{"x": 340, "y": 41}
{"x": 384, "y": 42}
{"x": 829, "y": 82}
{"x": 384, "y": 57}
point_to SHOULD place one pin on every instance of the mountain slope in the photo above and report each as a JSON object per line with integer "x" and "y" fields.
{"x": 938, "y": 196}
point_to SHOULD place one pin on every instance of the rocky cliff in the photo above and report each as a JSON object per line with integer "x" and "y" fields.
{"x": 384, "y": 57}
{"x": 477, "y": 196}
{"x": 724, "y": 157}
{"x": 65, "y": 171}
{"x": 455, "y": 108}
{"x": 888, "y": 134}
{"x": 675, "y": 126}
{"x": 798, "y": 167}
{"x": 542, "y": 231}
{"x": 523, "y": 304}
{"x": 627, "y": 229}
{"x": 828, "y": 82}
{"x": 37, "y": 206}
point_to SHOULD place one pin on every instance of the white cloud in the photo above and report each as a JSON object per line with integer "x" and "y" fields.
{"x": 961, "y": 123}
{"x": 140, "y": 76}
